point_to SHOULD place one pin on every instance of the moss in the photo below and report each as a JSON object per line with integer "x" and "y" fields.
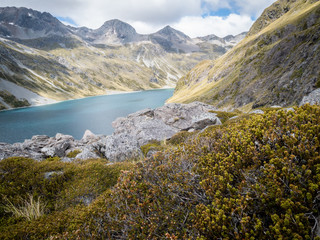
{"x": 13, "y": 101}
{"x": 64, "y": 195}
{"x": 180, "y": 137}
{"x": 53, "y": 159}
{"x": 261, "y": 171}
{"x": 74, "y": 153}
{"x": 224, "y": 116}
{"x": 152, "y": 145}
{"x": 2, "y": 107}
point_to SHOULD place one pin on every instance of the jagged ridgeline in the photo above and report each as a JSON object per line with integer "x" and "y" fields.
{"x": 276, "y": 64}
{"x": 39, "y": 54}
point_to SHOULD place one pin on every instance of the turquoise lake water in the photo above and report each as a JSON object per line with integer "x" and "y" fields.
{"x": 75, "y": 116}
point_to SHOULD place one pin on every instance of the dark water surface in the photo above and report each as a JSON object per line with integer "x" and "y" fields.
{"x": 75, "y": 116}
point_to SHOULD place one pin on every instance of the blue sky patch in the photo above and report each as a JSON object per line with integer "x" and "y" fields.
{"x": 67, "y": 20}
{"x": 223, "y": 12}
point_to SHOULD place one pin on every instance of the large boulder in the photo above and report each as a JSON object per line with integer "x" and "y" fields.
{"x": 131, "y": 132}
{"x": 313, "y": 98}
{"x": 139, "y": 128}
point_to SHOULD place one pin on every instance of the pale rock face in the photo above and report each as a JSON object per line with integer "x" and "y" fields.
{"x": 130, "y": 134}
{"x": 88, "y": 136}
{"x": 258, "y": 111}
{"x": 139, "y": 128}
{"x": 313, "y": 98}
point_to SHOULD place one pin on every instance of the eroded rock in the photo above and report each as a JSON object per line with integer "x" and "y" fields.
{"x": 131, "y": 132}
{"x": 313, "y": 98}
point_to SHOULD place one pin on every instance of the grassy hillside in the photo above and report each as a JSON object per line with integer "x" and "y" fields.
{"x": 62, "y": 73}
{"x": 254, "y": 177}
{"x": 276, "y": 64}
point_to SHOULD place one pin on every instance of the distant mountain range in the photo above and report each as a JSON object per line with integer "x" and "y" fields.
{"x": 277, "y": 63}
{"x": 43, "y": 58}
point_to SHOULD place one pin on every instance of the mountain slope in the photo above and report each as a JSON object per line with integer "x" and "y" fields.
{"x": 44, "y": 59}
{"x": 174, "y": 41}
{"x": 111, "y": 32}
{"x": 276, "y": 64}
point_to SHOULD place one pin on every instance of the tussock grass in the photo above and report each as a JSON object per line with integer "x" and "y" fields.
{"x": 30, "y": 208}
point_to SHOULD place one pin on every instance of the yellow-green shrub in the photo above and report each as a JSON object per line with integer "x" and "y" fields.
{"x": 256, "y": 179}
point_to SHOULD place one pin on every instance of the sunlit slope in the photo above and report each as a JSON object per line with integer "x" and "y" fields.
{"x": 276, "y": 64}
{"x": 88, "y": 70}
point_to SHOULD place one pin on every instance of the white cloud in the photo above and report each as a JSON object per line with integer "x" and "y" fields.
{"x": 150, "y": 15}
{"x": 145, "y": 28}
{"x": 214, "y": 5}
{"x": 198, "y": 26}
{"x": 252, "y": 7}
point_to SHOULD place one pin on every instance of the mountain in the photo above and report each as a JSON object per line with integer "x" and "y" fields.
{"x": 35, "y": 29}
{"x": 113, "y": 32}
{"x": 174, "y": 41}
{"x": 23, "y": 23}
{"x": 42, "y": 60}
{"x": 276, "y": 64}
{"x": 226, "y": 42}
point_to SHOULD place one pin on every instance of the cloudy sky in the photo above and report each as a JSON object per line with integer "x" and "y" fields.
{"x": 193, "y": 17}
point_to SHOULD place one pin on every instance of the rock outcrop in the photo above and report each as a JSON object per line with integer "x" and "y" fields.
{"x": 130, "y": 134}
{"x": 139, "y": 128}
{"x": 312, "y": 98}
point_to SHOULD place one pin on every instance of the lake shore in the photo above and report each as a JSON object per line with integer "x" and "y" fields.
{"x": 107, "y": 93}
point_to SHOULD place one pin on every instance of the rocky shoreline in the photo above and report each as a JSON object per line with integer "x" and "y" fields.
{"x": 130, "y": 134}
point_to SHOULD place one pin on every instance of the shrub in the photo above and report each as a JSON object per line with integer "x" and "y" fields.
{"x": 74, "y": 153}
{"x": 256, "y": 179}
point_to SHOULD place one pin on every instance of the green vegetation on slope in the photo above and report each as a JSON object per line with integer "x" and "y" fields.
{"x": 277, "y": 65}
{"x": 12, "y": 100}
{"x": 254, "y": 177}
{"x": 62, "y": 191}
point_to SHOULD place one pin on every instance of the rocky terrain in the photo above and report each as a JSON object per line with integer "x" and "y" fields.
{"x": 58, "y": 62}
{"x": 130, "y": 134}
{"x": 276, "y": 64}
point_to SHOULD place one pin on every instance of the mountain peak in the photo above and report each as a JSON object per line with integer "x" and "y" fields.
{"x": 272, "y": 13}
{"x": 24, "y": 23}
{"x": 169, "y": 31}
{"x": 115, "y": 32}
{"x": 118, "y": 26}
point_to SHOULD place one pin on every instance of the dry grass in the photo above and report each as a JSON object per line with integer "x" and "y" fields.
{"x": 30, "y": 208}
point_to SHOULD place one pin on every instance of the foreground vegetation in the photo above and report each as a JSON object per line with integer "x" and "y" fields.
{"x": 253, "y": 177}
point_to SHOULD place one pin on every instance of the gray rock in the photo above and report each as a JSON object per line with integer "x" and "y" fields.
{"x": 139, "y": 128}
{"x": 48, "y": 151}
{"x": 258, "y": 111}
{"x": 289, "y": 109}
{"x": 313, "y": 98}
{"x": 49, "y": 175}
{"x": 131, "y": 132}
{"x": 120, "y": 147}
{"x": 87, "y": 153}
{"x": 88, "y": 136}
{"x": 66, "y": 160}
{"x": 61, "y": 147}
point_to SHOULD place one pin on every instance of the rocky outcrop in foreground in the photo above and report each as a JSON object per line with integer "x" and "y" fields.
{"x": 130, "y": 134}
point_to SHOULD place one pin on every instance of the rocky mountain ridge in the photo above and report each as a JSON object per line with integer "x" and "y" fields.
{"x": 276, "y": 64}
{"x": 48, "y": 61}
